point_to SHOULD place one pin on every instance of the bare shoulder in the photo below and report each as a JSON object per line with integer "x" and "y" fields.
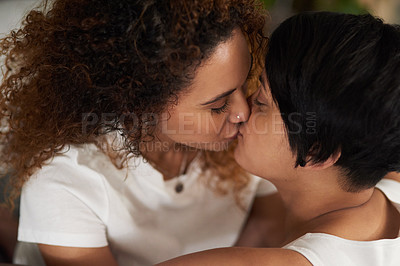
{"x": 57, "y": 255}
{"x": 393, "y": 175}
{"x": 241, "y": 256}
{"x": 374, "y": 220}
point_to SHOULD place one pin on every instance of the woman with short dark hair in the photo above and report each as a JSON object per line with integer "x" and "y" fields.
{"x": 325, "y": 130}
{"x": 116, "y": 120}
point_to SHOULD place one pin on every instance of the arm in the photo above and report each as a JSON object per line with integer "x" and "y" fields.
{"x": 241, "y": 256}
{"x": 65, "y": 256}
{"x": 265, "y": 224}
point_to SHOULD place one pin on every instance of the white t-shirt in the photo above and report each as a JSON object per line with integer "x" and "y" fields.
{"x": 329, "y": 250}
{"x": 82, "y": 200}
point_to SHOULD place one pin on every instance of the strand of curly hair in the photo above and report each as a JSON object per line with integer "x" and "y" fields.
{"x": 74, "y": 60}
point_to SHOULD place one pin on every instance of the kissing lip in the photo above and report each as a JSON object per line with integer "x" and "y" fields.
{"x": 234, "y": 136}
{"x": 240, "y": 132}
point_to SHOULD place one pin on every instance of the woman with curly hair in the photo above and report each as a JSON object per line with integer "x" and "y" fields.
{"x": 116, "y": 122}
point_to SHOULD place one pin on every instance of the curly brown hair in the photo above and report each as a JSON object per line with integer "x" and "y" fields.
{"x": 72, "y": 58}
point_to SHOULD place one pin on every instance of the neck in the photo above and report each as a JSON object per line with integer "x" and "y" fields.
{"x": 310, "y": 196}
{"x": 168, "y": 157}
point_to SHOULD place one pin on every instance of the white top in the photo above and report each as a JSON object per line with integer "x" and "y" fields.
{"x": 325, "y": 249}
{"x": 82, "y": 200}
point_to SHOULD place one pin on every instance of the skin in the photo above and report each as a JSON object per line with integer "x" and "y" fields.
{"x": 8, "y": 232}
{"x": 199, "y": 122}
{"x": 265, "y": 225}
{"x": 194, "y": 125}
{"x": 313, "y": 204}
{"x": 64, "y": 256}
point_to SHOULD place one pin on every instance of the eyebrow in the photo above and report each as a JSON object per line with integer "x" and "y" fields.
{"x": 219, "y": 97}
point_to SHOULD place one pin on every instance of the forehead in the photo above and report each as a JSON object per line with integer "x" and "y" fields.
{"x": 226, "y": 69}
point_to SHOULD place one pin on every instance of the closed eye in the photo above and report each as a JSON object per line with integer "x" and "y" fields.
{"x": 258, "y": 103}
{"x": 221, "y": 109}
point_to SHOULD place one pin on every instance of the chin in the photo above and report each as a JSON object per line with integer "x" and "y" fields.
{"x": 241, "y": 160}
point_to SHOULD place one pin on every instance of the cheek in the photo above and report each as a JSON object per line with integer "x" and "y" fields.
{"x": 251, "y": 153}
{"x": 253, "y": 145}
{"x": 203, "y": 125}
{"x": 263, "y": 147}
{"x": 194, "y": 127}
{"x": 210, "y": 125}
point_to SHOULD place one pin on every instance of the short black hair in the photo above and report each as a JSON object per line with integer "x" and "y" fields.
{"x": 336, "y": 80}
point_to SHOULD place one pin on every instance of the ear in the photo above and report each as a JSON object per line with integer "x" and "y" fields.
{"x": 323, "y": 165}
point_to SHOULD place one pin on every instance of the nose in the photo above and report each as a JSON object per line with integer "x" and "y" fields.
{"x": 240, "y": 109}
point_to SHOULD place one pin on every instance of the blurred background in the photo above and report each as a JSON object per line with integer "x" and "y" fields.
{"x": 12, "y": 11}
{"x": 388, "y": 10}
